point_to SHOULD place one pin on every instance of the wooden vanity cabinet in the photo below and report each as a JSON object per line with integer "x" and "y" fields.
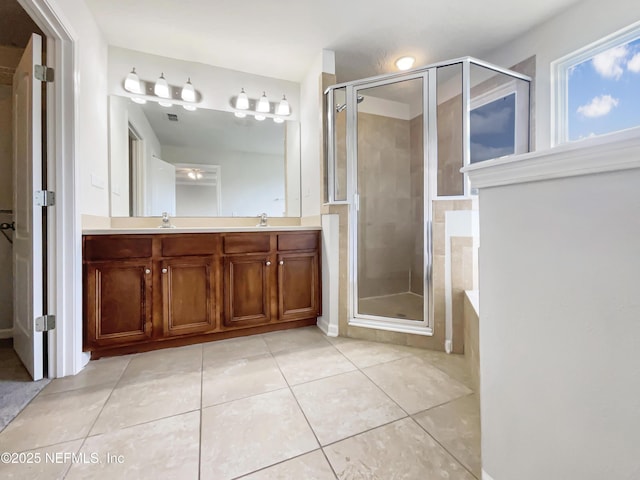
{"x": 143, "y": 292}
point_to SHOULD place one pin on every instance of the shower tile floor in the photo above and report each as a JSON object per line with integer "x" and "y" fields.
{"x": 285, "y": 405}
{"x": 400, "y": 305}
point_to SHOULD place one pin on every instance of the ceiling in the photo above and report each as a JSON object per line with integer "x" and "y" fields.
{"x": 281, "y": 38}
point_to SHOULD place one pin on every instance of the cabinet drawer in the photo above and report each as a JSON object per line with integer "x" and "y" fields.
{"x": 186, "y": 245}
{"x": 105, "y": 247}
{"x": 252, "y": 243}
{"x": 297, "y": 241}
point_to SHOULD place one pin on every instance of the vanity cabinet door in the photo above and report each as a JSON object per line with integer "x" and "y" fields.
{"x": 247, "y": 290}
{"x": 117, "y": 302}
{"x": 190, "y": 295}
{"x": 298, "y": 285}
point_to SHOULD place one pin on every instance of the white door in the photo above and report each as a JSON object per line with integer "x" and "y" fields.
{"x": 27, "y": 178}
{"x": 161, "y": 185}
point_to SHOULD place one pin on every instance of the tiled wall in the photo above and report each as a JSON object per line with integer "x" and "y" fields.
{"x": 385, "y": 236}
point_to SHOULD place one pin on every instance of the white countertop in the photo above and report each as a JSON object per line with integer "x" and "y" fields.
{"x": 158, "y": 230}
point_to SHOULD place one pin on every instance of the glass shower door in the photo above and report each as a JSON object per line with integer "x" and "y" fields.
{"x": 390, "y": 183}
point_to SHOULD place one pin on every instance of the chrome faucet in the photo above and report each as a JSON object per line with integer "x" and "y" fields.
{"x": 165, "y": 221}
{"x": 263, "y": 220}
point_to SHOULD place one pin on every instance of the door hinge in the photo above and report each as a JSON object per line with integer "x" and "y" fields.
{"x": 45, "y": 323}
{"x": 45, "y": 198}
{"x": 43, "y": 73}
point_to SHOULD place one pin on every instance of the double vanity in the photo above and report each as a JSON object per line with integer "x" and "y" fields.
{"x": 154, "y": 287}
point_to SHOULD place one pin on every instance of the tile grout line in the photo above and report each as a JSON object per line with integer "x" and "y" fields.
{"x": 444, "y": 448}
{"x": 443, "y": 404}
{"x": 84, "y": 440}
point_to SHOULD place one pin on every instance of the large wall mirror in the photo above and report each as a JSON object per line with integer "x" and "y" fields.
{"x": 200, "y": 163}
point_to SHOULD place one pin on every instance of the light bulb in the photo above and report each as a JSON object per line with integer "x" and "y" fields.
{"x": 240, "y": 114}
{"x": 283, "y": 107}
{"x": 405, "y": 63}
{"x": 260, "y": 117}
{"x": 191, "y": 108}
{"x": 161, "y": 87}
{"x": 242, "y": 101}
{"x": 165, "y": 104}
{"x": 188, "y": 92}
{"x": 198, "y": 176}
{"x": 192, "y": 175}
{"x": 139, "y": 100}
{"x": 132, "y": 82}
{"x": 263, "y": 104}
{"x": 278, "y": 120}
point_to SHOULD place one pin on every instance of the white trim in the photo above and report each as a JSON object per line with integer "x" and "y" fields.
{"x": 329, "y": 321}
{"x": 328, "y": 328}
{"x": 391, "y": 326}
{"x": 605, "y": 153}
{"x": 559, "y": 77}
{"x": 65, "y": 235}
{"x": 6, "y": 333}
{"x": 486, "y": 476}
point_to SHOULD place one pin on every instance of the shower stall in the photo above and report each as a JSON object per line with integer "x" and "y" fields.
{"x": 395, "y": 145}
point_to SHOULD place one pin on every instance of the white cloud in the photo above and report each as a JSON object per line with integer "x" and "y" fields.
{"x": 634, "y": 64}
{"x": 609, "y": 64}
{"x": 598, "y": 107}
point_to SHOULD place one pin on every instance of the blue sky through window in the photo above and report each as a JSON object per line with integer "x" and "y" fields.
{"x": 604, "y": 92}
{"x": 492, "y": 129}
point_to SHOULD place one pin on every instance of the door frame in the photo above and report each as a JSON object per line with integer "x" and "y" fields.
{"x": 425, "y": 326}
{"x": 64, "y": 242}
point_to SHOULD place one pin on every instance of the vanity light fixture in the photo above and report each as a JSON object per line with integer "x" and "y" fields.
{"x": 139, "y": 100}
{"x": 405, "y": 63}
{"x": 263, "y": 104}
{"x": 191, "y": 108}
{"x": 188, "y": 92}
{"x": 283, "y": 107}
{"x": 260, "y": 117}
{"x": 165, "y": 104}
{"x": 132, "y": 82}
{"x": 195, "y": 174}
{"x": 278, "y": 120}
{"x": 161, "y": 88}
{"x": 240, "y": 114}
{"x": 242, "y": 100}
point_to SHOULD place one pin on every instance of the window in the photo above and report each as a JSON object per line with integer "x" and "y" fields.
{"x": 598, "y": 87}
{"x": 492, "y": 128}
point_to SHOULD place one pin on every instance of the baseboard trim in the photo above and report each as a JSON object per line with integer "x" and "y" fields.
{"x": 486, "y": 476}
{"x": 6, "y": 332}
{"x": 327, "y": 328}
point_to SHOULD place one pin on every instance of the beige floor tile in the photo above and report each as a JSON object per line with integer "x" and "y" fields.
{"x": 294, "y": 338}
{"x": 54, "y": 418}
{"x": 452, "y": 364}
{"x": 365, "y": 354}
{"x": 456, "y": 425}
{"x": 224, "y": 381}
{"x": 246, "y": 435}
{"x": 152, "y": 399}
{"x": 343, "y": 405}
{"x": 312, "y": 362}
{"x": 106, "y": 371}
{"x": 163, "y": 449}
{"x": 311, "y": 466}
{"x": 415, "y": 384}
{"x": 162, "y": 363}
{"x": 401, "y": 450}
{"x": 234, "y": 348}
{"x": 48, "y": 463}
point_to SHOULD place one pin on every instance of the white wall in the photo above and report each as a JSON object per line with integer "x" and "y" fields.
{"x": 196, "y": 200}
{"x": 217, "y": 85}
{"x": 311, "y": 98}
{"x": 91, "y": 109}
{"x": 560, "y": 321}
{"x": 585, "y": 23}
{"x": 251, "y": 183}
